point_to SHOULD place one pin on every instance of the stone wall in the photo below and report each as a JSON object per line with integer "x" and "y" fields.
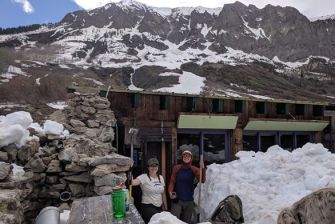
{"x": 83, "y": 164}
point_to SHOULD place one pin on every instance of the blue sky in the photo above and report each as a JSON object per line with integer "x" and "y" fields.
{"x": 44, "y": 11}
{"x": 15, "y": 13}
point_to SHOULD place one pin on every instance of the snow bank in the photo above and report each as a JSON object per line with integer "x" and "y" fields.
{"x": 13, "y": 128}
{"x": 268, "y": 182}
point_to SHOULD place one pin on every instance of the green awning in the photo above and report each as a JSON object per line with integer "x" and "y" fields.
{"x": 207, "y": 122}
{"x": 270, "y": 125}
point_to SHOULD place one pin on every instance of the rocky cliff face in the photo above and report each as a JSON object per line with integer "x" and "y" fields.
{"x": 271, "y": 31}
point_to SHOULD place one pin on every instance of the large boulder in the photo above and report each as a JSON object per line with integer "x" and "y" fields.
{"x": 11, "y": 211}
{"x": 317, "y": 207}
{"x": 5, "y": 169}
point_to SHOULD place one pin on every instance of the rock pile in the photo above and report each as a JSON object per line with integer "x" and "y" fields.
{"x": 59, "y": 169}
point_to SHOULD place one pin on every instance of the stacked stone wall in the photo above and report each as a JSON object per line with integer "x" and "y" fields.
{"x": 61, "y": 169}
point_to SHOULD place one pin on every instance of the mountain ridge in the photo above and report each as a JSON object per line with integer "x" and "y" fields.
{"x": 120, "y": 43}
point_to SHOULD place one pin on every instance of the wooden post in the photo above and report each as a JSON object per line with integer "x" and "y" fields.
{"x": 332, "y": 134}
{"x": 201, "y": 159}
{"x": 164, "y": 160}
{"x": 163, "y": 151}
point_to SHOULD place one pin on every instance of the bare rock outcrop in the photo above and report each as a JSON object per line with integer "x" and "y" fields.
{"x": 317, "y": 207}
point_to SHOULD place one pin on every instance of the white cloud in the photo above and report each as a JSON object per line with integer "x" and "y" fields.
{"x": 26, "y": 6}
{"x": 310, "y": 8}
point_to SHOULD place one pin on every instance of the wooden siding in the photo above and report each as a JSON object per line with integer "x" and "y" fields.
{"x": 149, "y": 116}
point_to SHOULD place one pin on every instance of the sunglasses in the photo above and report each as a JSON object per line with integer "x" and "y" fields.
{"x": 154, "y": 165}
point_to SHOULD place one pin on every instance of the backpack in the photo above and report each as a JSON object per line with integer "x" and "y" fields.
{"x": 229, "y": 211}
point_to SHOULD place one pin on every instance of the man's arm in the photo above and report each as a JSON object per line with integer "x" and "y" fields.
{"x": 173, "y": 180}
{"x": 196, "y": 172}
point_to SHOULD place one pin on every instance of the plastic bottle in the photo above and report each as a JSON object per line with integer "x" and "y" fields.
{"x": 118, "y": 203}
{"x": 126, "y": 194}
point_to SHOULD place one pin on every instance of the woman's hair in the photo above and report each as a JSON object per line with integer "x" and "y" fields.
{"x": 147, "y": 171}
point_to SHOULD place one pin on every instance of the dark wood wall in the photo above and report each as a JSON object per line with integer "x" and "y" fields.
{"x": 149, "y": 114}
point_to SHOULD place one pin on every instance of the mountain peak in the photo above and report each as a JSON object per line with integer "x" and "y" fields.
{"x": 131, "y": 3}
{"x": 327, "y": 17}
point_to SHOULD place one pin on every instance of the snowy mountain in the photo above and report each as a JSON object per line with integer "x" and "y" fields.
{"x": 327, "y": 17}
{"x": 239, "y": 50}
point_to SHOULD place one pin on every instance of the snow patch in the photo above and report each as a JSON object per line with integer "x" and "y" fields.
{"x": 188, "y": 83}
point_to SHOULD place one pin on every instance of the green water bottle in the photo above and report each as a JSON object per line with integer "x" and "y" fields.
{"x": 118, "y": 203}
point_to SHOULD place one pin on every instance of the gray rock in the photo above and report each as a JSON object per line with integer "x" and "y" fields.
{"x": 9, "y": 218}
{"x": 111, "y": 159}
{"x": 68, "y": 156}
{"x": 107, "y": 134}
{"x": 103, "y": 190}
{"x": 49, "y": 194}
{"x": 3, "y": 156}
{"x": 51, "y": 179}
{"x": 54, "y": 167}
{"x": 92, "y": 133}
{"x": 73, "y": 167}
{"x": 36, "y": 164}
{"x": 82, "y": 178}
{"x": 12, "y": 151}
{"x": 49, "y": 150}
{"x": 79, "y": 130}
{"x": 58, "y": 186}
{"x": 76, "y": 123}
{"x": 5, "y": 169}
{"x": 88, "y": 110}
{"x": 77, "y": 190}
{"x": 92, "y": 124}
{"x": 317, "y": 207}
{"x": 105, "y": 169}
{"x": 111, "y": 179}
{"x": 11, "y": 209}
{"x": 102, "y": 106}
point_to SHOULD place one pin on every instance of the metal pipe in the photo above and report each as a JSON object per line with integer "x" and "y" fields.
{"x": 48, "y": 215}
{"x": 65, "y": 196}
{"x": 117, "y": 136}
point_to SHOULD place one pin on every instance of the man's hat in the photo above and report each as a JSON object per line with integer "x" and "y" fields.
{"x": 187, "y": 151}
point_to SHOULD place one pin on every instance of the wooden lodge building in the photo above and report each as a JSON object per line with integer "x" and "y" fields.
{"x": 160, "y": 124}
{"x": 153, "y": 124}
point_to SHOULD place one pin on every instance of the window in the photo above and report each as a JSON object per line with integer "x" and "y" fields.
{"x": 299, "y": 109}
{"x": 281, "y": 108}
{"x": 286, "y": 141}
{"x": 330, "y": 107}
{"x": 214, "y": 148}
{"x": 260, "y": 107}
{"x": 190, "y": 104}
{"x": 135, "y": 100}
{"x": 267, "y": 141}
{"x": 302, "y": 140}
{"x": 250, "y": 143}
{"x": 238, "y": 106}
{"x": 163, "y": 102}
{"x": 317, "y": 110}
{"x": 218, "y": 105}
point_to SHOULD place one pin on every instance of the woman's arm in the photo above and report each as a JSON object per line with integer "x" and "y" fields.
{"x": 165, "y": 207}
{"x": 135, "y": 182}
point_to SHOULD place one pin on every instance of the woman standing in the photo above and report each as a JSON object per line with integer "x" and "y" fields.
{"x": 153, "y": 190}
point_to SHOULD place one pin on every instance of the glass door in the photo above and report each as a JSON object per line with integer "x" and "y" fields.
{"x": 215, "y": 145}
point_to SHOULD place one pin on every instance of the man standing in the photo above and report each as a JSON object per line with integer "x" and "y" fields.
{"x": 181, "y": 187}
